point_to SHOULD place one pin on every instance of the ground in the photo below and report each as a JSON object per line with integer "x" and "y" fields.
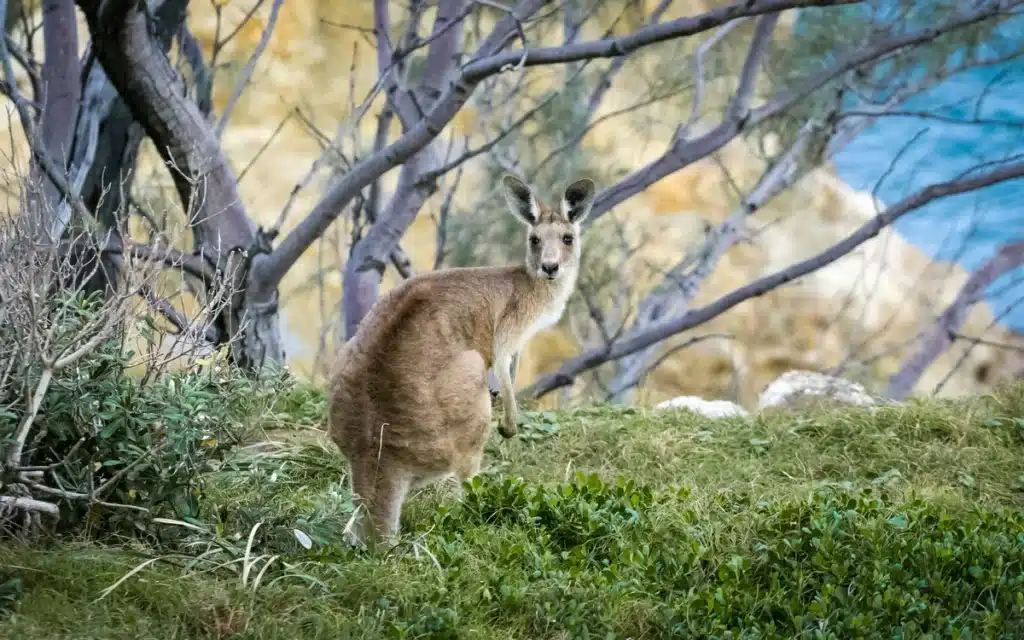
{"x": 900, "y": 521}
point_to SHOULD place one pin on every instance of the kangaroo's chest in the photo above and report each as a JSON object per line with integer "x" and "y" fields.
{"x": 548, "y": 317}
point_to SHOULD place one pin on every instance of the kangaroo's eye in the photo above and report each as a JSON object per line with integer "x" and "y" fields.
{"x": 567, "y": 240}
{"x": 534, "y": 240}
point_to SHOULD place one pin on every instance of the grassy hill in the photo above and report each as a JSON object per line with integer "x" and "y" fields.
{"x": 598, "y": 522}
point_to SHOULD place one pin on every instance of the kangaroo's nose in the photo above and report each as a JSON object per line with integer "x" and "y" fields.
{"x": 550, "y": 268}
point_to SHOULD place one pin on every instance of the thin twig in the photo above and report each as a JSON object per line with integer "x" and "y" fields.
{"x": 250, "y": 66}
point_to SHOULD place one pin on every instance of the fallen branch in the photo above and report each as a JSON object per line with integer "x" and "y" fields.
{"x": 29, "y": 504}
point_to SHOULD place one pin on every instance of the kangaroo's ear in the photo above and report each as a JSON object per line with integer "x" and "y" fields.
{"x": 520, "y": 199}
{"x": 578, "y": 199}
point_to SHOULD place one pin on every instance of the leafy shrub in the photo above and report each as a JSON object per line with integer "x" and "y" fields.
{"x": 151, "y": 441}
{"x": 734, "y": 554}
{"x": 590, "y": 559}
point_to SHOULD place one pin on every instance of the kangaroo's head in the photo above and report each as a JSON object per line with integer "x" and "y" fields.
{"x": 553, "y": 234}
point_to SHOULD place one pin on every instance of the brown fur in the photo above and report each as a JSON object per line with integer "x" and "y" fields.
{"x": 409, "y": 402}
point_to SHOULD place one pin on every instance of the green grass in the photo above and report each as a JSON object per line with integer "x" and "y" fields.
{"x": 904, "y": 521}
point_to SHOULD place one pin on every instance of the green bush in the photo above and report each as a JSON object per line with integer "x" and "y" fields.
{"x": 155, "y": 439}
{"x": 839, "y": 523}
{"x": 591, "y": 559}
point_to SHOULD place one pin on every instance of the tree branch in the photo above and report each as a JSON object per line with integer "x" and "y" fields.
{"x": 29, "y": 504}
{"x": 164, "y": 307}
{"x": 270, "y": 269}
{"x": 671, "y": 326}
{"x": 365, "y": 266}
{"x": 194, "y": 265}
{"x": 679, "y": 287}
{"x": 678, "y": 290}
{"x": 942, "y": 335}
{"x": 184, "y": 139}
{"x": 604, "y": 83}
{"x": 250, "y": 66}
{"x": 684, "y": 152}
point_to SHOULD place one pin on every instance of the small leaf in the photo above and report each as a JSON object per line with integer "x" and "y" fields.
{"x": 898, "y": 522}
{"x": 304, "y": 540}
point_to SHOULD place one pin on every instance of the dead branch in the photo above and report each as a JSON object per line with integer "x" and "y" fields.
{"x": 692, "y": 318}
{"x": 29, "y": 504}
{"x": 941, "y": 337}
{"x": 682, "y": 153}
{"x": 250, "y": 67}
{"x": 485, "y": 63}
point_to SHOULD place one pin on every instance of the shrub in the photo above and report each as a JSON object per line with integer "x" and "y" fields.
{"x": 147, "y": 443}
{"x": 590, "y": 559}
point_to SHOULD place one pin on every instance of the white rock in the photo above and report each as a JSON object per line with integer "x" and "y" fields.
{"x": 714, "y": 409}
{"x": 796, "y": 384}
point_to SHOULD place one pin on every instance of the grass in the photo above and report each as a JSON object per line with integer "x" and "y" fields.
{"x": 902, "y": 521}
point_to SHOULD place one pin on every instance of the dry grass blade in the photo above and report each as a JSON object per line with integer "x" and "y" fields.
{"x": 106, "y": 592}
{"x": 247, "y": 560}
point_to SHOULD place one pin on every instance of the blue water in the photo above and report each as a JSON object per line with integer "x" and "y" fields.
{"x": 900, "y": 155}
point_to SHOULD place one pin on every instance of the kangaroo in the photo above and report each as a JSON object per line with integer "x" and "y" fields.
{"x": 409, "y": 403}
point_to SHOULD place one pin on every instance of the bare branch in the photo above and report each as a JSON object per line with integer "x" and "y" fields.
{"x": 442, "y": 222}
{"x": 989, "y": 343}
{"x": 250, "y": 66}
{"x": 629, "y": 382}
{"x": 671, "y": 326}
{"x": 680, "y": 287}
{"x": 684, "y": 152}
{"x": 193, "y": 265}
{"x": 948, "y": 323}
{"x": 219, "y": 43}
{"x": 271, "y": 269}
{"x": 173, "y": 315}
{"x": 698, "y": 60}
{"x": 29, "y": 504}
{"x": 604, "y": 83}
{"x": 56, "y": 465}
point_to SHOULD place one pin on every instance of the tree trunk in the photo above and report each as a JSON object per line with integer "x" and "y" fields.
{"x": 60, "y": 97}
{"x": 224, "y": 234}
{"x": 365, "y": 266}
{"x": 106, "y": 142}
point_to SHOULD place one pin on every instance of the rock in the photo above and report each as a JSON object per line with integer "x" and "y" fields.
{"x": 794, "y": 386}
{"x": 713, "y": 409}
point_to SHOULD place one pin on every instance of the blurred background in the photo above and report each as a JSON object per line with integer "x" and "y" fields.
{"x": 303, "y": 81}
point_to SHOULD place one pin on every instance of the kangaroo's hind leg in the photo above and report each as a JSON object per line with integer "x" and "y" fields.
{"x": 467, "y": 404}
{"x": 379, "y": 490}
